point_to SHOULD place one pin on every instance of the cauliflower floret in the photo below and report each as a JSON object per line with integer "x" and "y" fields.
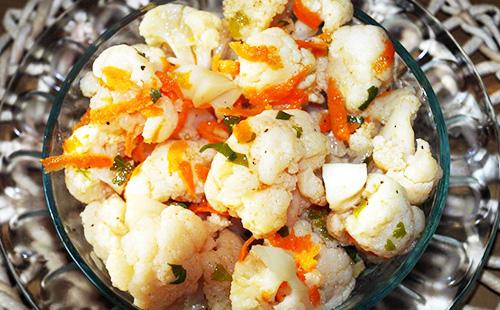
{"x": 141, "y": 244}
{"x": 218, "y": 266}
{"x": 159, "y": 128}
{"x": 156, "y": 179}
{"x": 120, "y": 68}
{"x": 92, "y": 184}
{"x": 334, "y": 13}
{"x": 256, "y": 281}
{"x": 386, "y": 224}
{"x": 278, "y": 161}
{"x": 190, "y": 33}
{"x": 208, "y": 87}
{"x": 360, "y": 142}
{"x": 104, "y": 225}
{"x": 245, "y": 18}
{"x": 154, "y": 55}
{"x": 394, "y": 147}
{"x": 421, "y": 174}
{"x": 257, "y": 75}
{"x": 343, "y": 182}
{"x": 356, "y": 70}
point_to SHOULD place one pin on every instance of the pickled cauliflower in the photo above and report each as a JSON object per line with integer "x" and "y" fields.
{"x": 191, "y": 34}
{"x": 359, "y": 72}
{"x": 250, "y": 158}
{"x": 272, "y": 172}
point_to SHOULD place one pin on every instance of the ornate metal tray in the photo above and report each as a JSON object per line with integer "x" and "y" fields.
{"x": 443, "y": 277}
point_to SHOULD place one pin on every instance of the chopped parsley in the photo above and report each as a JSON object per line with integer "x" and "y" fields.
{"x": 317, "y": 218}
{"x": 85, "y": 173}
{"x": 283, "y": 115}
{"x": 141, "y": 54}
{"x": 155, "y": 94}
{"x": 353, "y": 253}
{"x": 400, "y": 231}
{"x": 389, "y": 245}
{"x": 230, "y": 121}
{"x": 298, "y": 131}
{"x": 284, "y": 231}
{"x": 181, "y": 204}
{"x": 360, "y": 208}
{"x": 354, "y": 119}
{"x": 372, "y": 93}
{"x": 220, "y": 274}
{"x": 123, "y": 169}
{"x": 179, "y": 273}
{"x": 224, "y": 149}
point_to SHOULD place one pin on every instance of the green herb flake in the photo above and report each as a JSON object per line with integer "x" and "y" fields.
{"x": 283, "y": 115}
{"x": 372, "y": 93}
{"x": 85, "y": 173}
{"x": 360, "y": 208}
{"x": 141, "y": 54}
{"x": 231, "y": 121}
{"x": 317, "y": 218}
{"x": 353, "y": 253}
{"x": 354, "y": 119}
{"x": 298, "y": 131}
{"x": 220, "y": 274}
{"x": 155, "y": 94}
{"x": 179, "y": 273}
{"x": 224, "y": 149}
{"x": 400, "y": 231}
{"x": 181, "y": 204}
{"x": 123, "y": 169}
{"x": 284, "y": 231}
{"x": 389, "y": 245}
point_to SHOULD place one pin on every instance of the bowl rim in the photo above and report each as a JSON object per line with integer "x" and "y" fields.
{"x": 367, "y": 301}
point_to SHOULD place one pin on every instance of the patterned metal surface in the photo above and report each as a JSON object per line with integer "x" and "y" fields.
{"x": 442, "y": 277}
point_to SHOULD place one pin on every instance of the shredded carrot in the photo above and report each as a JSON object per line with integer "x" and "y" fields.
{"x": 318, "y": 48}
{"x": 201, "y": 171}
{"x": 84, "y": 120}
{"x": 183, "y": 79}
{"x": 186, "y": 173}
{"x": 136, "y": 170}
{"x": 182, "y": 117}
{"x": 303, "y": 248}
{"x": 152, "y": 111}
{"x": 243, "y": 132}
{"x": 314, "y": 296}
{"x": 311, "y": 19}
{"x": 169, "y": 85}
{"x": 110, "y": 112}
{"x": 71, "y": 144}
{"x": 338, "y": 113}
{"x": 283, "y": 290}
{"x": 287, "y": 92}
{"x": 213, "y": 131}
{"x": 117, "y": 79}
{"x": 325, "y": 37}
{"x": 244, "y": 109}
{"x": 204, "y": 207}
{"x": 324, "y": 123}
{"x": 131, "y": 140}
{"x": 245, "y": 248}
{"x": 82, "y": 161}
{"x": 268, "y": 54}
{"x": 386, "y": 59}
{"x": 231, "y": 67}
{"x": 142, "y": 150}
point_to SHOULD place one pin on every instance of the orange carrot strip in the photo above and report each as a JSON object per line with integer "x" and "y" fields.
{"x": 169, "y": 85}
{"x": 268, "y": 54}
{"x": 283, "y": 290}
{"x": 182, "y": 117}
{"x": 324, "y": 123}
{"x": 82, "y": 161}
{"x": 245, "y": 248}
{"x": 186, "y": 173}
{"x": 142, "y": 150}
{"x": 319, "y": 48}
{"x": 117, "y": 79}
{"x": 303, "y": 248}
{"x": 311, "y": 19}
{"x": 176, "y": 154}
{"x": 84, "y": 120}
{"x": 230, "y": 67}
{"x": 201, "y": 171}
{"x": 213, "y": 131}
{"x": 338, "y": 113}
{"x": 243, "y": 132}
{"x": 131, "y": 140}
{"x": 282, "y": 93}
{"x": 386, "y": 59}
{"x": 152, "y": 111}
{"x": 110, "y": 112}
{"x": 314, "y": 296}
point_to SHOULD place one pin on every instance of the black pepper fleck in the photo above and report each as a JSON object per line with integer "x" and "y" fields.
{"x": 143, "y": 67}
{"x": 266, "y": 130}
{"x": 107, "y": 123}
{"x": 397, "y": 192}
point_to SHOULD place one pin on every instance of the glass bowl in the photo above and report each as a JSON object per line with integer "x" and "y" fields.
{"x": 69, "y": 105}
